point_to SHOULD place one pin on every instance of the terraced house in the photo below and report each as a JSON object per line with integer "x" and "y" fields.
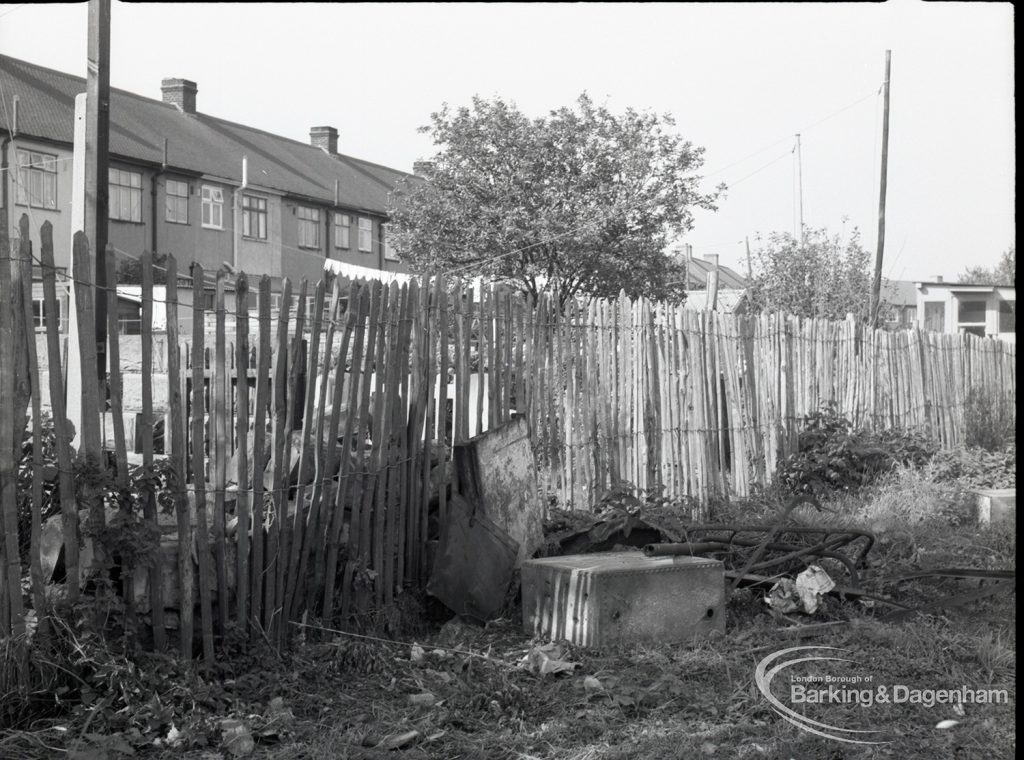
{"x": 191, "y": 184}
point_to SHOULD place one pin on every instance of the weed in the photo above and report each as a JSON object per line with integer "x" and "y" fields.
{"x": 833, "y": 455}
{"x": 990, "y": 419}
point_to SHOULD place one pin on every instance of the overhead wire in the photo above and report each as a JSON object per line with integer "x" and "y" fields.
{"x": 788, "y": 137}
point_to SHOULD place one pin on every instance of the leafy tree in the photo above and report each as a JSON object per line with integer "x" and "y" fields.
{"x": 579, "y": 202}
{"x": 822, "y": 276}
{"x": 129, "y": 270}
{"x": 1003, "y": 273}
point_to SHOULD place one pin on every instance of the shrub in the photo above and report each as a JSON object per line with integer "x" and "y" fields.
{"x": 975, "y": 467}
{"x": 990, "y": 419}
{"x": 833, "y": 455}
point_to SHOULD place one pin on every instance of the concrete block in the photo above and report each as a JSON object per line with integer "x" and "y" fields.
{"x": 623, "y": 598}
{"x": 996, "y": 505}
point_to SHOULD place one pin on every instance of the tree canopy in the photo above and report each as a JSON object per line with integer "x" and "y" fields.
{"x": 579, "y": 202}
{"x": 1003, "y": 273}
{"x": 821, "y": 276}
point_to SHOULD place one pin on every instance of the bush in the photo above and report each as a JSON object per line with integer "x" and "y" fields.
{"x": 976, "y": 468}
{"x": 990, "y": 419}
{"x": 833, "y": 455}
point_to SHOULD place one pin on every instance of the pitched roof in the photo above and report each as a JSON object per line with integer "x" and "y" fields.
{"x": 899, "y": 292}
{"x": 728, "y": 300}
{"x": 697, "y": 274}
{"x": 195, "y": 142}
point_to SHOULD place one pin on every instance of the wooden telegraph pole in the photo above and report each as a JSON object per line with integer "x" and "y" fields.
{"x": 800, "y": 184}
{"x": 97, "y": 139}
{"x": 876, "y": 285}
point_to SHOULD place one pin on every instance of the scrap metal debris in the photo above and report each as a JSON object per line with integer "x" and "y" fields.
{"x": 545, "y": 659}
{"x": 804, "y": 593}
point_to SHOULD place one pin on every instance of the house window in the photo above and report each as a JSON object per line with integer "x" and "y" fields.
{"x": 37, "y": 180}
{"x": 971, "y": 312}
{"x": 935, "y": 316}
{"x": 309, "y": 227}
{"x": 342, "y": 231}
{"x": 177, "y": 202}
{"x": 129, "y": 317}
{"x": 1007, "y": 316}
{"x": 213, "y": 207}
{"x": 254, "y": 217}
{"x": 125, "y": 202}
{"x": 365, "y": 234}
{"x": 910, "y": 315}
{"x": 40, "y": 314}
{"x": 389, "y": 252}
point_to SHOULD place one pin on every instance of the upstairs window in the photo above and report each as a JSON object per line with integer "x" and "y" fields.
{"x": 125, "y": 202}
{"x": 254, "y": 217}
{"x": 309, "y": 227}
{"x": 177, "y": 202}
{"x": 342, "y": 231}
{"x": 37, "y": 180}
{"x": 389, "y": 252}
{"x": 365, "y": 234}
{"x": 213, "y": 207}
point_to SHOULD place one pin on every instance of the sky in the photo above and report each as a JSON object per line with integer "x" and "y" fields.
{"x": 741, "y": 80}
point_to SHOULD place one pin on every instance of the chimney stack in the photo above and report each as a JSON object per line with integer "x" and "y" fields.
{"x": 422, "y": 168}
{"x": 938, "y": 278}
{"x": 325, "y": 138}
{"x": 712, "y": 259}
{"x": 180, "y": 93}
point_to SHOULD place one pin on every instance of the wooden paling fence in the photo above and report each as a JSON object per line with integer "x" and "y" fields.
{"x": 293, "y": 523}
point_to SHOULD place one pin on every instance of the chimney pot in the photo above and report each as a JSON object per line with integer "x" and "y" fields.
{"x": 180, "y": 93}
{"x": 422, "y": 168}
{"x": 325, "y": 138}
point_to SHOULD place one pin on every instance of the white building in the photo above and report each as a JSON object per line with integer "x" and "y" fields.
{"x": 989, "y": 311}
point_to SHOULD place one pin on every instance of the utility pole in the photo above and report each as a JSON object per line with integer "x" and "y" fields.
{"x": 750, "y": 267}
{"x": 97, "y": 139}
{"x": 876, "y": 285}
{"x": 800, "y": 184}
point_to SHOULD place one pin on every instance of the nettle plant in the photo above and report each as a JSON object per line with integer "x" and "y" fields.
{"x": 126, "y": 539}
{"x": 834, "y": 455}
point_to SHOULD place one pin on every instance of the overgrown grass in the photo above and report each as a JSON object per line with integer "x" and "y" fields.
{"x": 990, "y": 419}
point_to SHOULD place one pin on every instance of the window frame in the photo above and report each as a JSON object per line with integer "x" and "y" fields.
{"x": 342, "y": 227}
{"x": 961, "y": 303}
{"x": 368, "y": 229}
{"x": 37, "y": 165}
{"x": 129, "y": 182}
{"x": 259, "y": 212}
{"x": 306, "y": 223}
{"x": 180, "y": 200}
{"x": 214, "y": 201}
{"x": 390, "y": 254}
{"x": 39, "y": 314}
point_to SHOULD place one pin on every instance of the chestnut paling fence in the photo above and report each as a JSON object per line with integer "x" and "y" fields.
{"x": 667, "y": 399}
